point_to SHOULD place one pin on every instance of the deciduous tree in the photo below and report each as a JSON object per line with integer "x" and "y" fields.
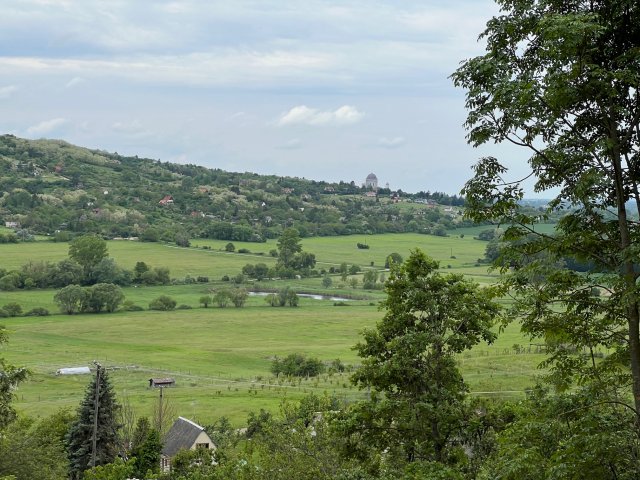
{"x": 562, "y": 80}
{"x": 88, "y": 250}
{"x": 408, "y": 361}
{"x": 288, "y": 246}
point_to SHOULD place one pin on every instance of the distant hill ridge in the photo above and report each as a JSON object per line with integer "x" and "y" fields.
{"x": 53, "y": 187}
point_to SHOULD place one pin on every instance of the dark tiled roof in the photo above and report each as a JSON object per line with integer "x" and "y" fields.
{"x": 182, "y": 434}
{"x": 156, "y": 381}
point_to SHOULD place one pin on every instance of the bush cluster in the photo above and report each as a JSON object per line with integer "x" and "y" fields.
{"x": 297, "y": 365}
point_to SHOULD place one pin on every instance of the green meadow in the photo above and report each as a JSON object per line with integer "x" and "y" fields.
{"x": 220, "y": 358}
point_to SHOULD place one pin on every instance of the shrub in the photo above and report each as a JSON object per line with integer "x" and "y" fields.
{"x": 363, "y": 246}
{"x": 183, "y": 306}
{"x": 129, "y": 306}
{"x": 205, "y": 301}
{"x": 244, "y": 250}
{"x": 238, "y": 297}
{"x": 163, "y": 302}
{"x": 37, "y": 312}
{"x": 297, "y": 365}
{"x": 221, "y": 298}
{"x": 12, "y": 309}
{"x": 337, "y": 365}
{"x": 200, "y": 279}
{"x": 229, "y": 247}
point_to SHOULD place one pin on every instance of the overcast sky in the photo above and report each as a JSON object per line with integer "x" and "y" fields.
{"x": 326, "y": 90}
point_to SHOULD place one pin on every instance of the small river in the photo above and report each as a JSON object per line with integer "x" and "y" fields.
{"x": 306, "y": 295}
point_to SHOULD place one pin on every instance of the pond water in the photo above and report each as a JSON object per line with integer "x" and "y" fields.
{"x": 307, "y": 295}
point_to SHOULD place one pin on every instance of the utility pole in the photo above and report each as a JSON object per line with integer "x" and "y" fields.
{"x": 161, "y": 413}
{"x": 94, "y": 437}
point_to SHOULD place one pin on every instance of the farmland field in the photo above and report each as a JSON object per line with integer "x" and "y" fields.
{"x": 221, "y": 357}
{"x": 453, "y": 252}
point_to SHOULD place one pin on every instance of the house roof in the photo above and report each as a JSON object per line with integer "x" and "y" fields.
{"x": 183, "y": 434}
{"x": 163, "y": 380}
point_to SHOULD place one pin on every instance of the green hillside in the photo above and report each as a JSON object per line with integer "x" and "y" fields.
{"x": 49, "y": 186}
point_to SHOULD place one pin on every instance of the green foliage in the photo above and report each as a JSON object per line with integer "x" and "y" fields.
{"x": 88, "y": 250}
{"x": 562, "y": 80}
{"x": 37, "y": 312}
{"x": 417, "y": 405}
{"x": 393, "y": 258}
{"x": 105, "y": 296}
{"x": 205, "y": 301}
{"x": 117, "y": 470}
{"x": 221, "y": 298}
{"x": 12, "y": 309}
{"x": 197, "y": 464}
{"x": 79, "y": 438}
{"x": 327, "y": 281}
{"x": 297, "y": 365}
{"x": 576, "y": 436}
{"x": 230, "y": 247}
{"x": 71, "y": 299}
{"x": 163, "y": 302}
{"x": 288, "y": 246}
{"x": 369, "y": 279}
{"x": 147, "y": 454}
{"x": 10, "y": 377}
{"x": 238, "y": 296}
{"x": 32, "y": 448}
{"x": 298, "y": 444}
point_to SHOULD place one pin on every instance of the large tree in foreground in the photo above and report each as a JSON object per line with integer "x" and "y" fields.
{"x": 417, "y": 407}
{"x": 93, "y": 438}
{"x": 561, "y": 79}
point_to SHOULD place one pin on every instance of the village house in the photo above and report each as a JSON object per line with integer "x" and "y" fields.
{"x": 15, "y": 225}
{"x": 183, "y": 435}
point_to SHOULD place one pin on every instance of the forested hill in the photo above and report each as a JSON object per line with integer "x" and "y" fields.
{"x": 53, "y": 187}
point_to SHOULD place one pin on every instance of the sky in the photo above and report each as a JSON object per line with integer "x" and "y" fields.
{"x": 325, "y": 90}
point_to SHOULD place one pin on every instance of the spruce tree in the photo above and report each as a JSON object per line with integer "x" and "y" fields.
{"x": 80, "y": 436}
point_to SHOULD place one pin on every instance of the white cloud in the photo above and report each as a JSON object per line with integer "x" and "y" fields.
{"x": 394, "y": 142}
{"x": 74, "y": 81}
{"x": 6, "y": 92}
{"x": 292, "y": 144}
{"x": 47, "y": 126}
{"x": 303, "y": 115}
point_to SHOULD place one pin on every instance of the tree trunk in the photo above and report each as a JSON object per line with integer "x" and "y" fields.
{"x": 630, "y": 277}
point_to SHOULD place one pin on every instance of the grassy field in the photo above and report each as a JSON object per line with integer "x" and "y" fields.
{"x": 221, "y": 357}
{"x": 454, "y": 252}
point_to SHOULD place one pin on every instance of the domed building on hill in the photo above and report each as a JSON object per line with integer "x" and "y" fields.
{"x": 371, "y": 182}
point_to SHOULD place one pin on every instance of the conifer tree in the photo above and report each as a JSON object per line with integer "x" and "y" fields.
{"x": 80, "y": 438}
